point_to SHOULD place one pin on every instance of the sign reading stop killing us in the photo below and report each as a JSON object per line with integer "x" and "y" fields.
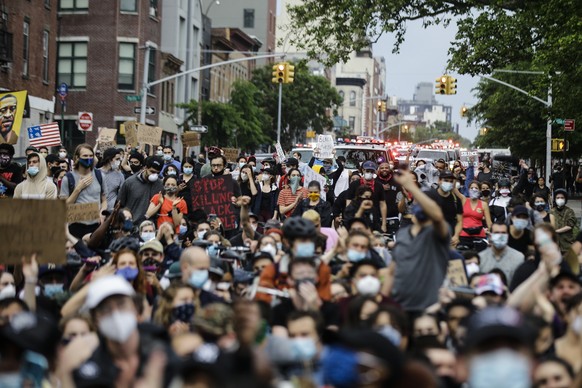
{"x": 213, "y": 195}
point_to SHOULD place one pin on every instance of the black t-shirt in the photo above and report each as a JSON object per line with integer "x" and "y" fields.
{"x": 329, "y": 311}
{"x": 377, "y": 195}
{"x": 237, "y": 241}
{"x": 451, "y": 206}
{"x": 391, "y": 190}
{"x": 13, "y": 173}
{"x": 485, "y": 176}
{"x": 521, "y": 243}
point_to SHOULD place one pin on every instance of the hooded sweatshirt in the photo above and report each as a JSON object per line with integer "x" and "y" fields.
{"x": 37, "y": 187}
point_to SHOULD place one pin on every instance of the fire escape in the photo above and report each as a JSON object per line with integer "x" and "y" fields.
{"x": 5, "y": 39}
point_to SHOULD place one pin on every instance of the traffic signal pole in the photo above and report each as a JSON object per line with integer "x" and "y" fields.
{"x": 279, "y": 113}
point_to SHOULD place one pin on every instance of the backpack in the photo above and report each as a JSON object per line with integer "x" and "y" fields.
{"x": 71, "y": 180}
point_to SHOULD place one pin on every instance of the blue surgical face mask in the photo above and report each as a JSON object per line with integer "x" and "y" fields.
{"x": 304, "y": 349}
{"x": 295, "y": 180}
{"x": 198, "y": 278}
{"x": 213, "y": 250}
{"x": 305, "y": 249}
{"x": 355, "y": 256}
{"x": 391, "y": 333}
{"x": 147, "y": 236}
{"x": 167, "y": 157}
{"x": 447, "y": 186}
{"x": 183, "y": 229}
{"x": 500, "y": 368}
{"x": 128, "y": 273}
{"x": 499, "y": 240}
{"x": 172, "y": 173}
{"x": 241, "y": 164}
{"x": 33, "y": 170}
{"x": 188, "y": 170}
{"x": 520, "y": 224}
{"x": 51, "y": 290}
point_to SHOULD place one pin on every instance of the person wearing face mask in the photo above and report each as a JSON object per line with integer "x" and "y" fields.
{"x": 485, "y": 174}
{"x": 36, "y": 185}
{"x": 84, "y": 184}
{"x": 486, "y": 191}
{"x": 565, "y": 220}
{"x": 128, "y": 265}
{"x": 240, "y": 163}
{"x": 568, "y": 346}
{"x": 147, "y": 231}
{"x": 540, "y": 212}
{"x": 542, "y": 190}
{"x": 451, "y": 205}
{"x": 475, "y": 216}
{"x": 292, "y": 194}
{"x": 379, "y": 210}
{"x": 114, "y": 312}
{"x": 266, "y": 200}
{"x": 112, "y": 175}
{"x": 247, "y": 183}
{"x": 7, "y": 285}
{"x": 132, "y": 163}
{"x": 520, "y": 237}
{"x": 499, "y": 254}
{"x": 10, "y": 172}
{"x": 176, "y": 309}
{"x": 315, "y": 202}
{"x": 499, "y": 203}
{"x": 167, "y": 206}
{"x": 499, "y": 351}
{"x": 137, "y": 190}
{"x": 194, "y": 265}
{"x": 362, "y": 207}
{"x": 168, "y": 157}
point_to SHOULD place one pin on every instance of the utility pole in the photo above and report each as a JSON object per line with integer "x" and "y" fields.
{"x": 279, "y": 113}
{"x": 145, "y": 85}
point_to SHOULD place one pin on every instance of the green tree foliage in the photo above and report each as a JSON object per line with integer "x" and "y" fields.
{"x": 246, "y": 99}
{"x": 221, "y": 120}
{"x": 308, "y": 103}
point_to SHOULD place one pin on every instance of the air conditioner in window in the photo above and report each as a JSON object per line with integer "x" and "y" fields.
{"x": 153, "y": 11}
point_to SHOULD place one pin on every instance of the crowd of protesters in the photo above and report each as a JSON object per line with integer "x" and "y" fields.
{"x": 340, "y": 281}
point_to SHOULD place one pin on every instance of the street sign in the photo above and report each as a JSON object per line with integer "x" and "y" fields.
{"x": 85, "y": 121}
{"x": 150, "y": 110}
{"x": 199, "y": 128}
{"x": 569, "y": 125}
{"x": 133, "y": 98}
{"x": 559, "y": 121}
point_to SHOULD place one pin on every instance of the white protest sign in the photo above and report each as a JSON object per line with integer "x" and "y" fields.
{"x": 342, "y": 184}
{"x": 311, "y": 175}
{"x": 280, "y": 152}
{"x": 466, "y": 155}
{"x": 325, "y": 146}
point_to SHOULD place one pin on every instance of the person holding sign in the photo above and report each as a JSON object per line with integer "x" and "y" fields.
{"x": 36, "y": 185}
{"x": 167, "y": 206}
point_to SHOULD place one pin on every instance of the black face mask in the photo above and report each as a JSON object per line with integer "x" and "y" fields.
{"x": 135, "y": 168}
{"x": 486, "y": 193}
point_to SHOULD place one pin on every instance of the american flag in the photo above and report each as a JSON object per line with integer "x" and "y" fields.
{"x": 44, "y": 135}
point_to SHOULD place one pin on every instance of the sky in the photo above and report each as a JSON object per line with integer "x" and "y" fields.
{"x": 423, "y": 58}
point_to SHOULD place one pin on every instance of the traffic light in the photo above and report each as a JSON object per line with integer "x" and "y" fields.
{"x": 464, "y": 111}
{"x": 383, "y": 106}
{"x": 441, "y": 85}
{"x": 451, "y": 85}
{"x": 560, "y": 145}
{"x": 279, "y": 73}
{"x": 379, "y": 106}
{"x": 289, "y": 73}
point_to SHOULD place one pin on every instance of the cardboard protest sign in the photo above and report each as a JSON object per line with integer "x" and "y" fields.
{"x": 325, "y": 146}
{"x": 82, "y": 212}
{"x": 21, "y": 233}
{"x": 231, "y": 154}
{"x": 106, "y": 138}
{"x": 130, "y": 133}
{"x": 280, "y": 152}
{"x": 149, "y": 135}
{"x": 311, "y": 175}
{"x": 466, "y": 155}
{"x": 191, "y": 139}
{"x": 12, "y": 107}
{"x": 213, "y": 195}
{"x": 456, "y": 273}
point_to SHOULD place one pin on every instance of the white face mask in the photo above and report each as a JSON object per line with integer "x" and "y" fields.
{"x": 368, "y": 176}
{"x": 147, "y": 236}
{"x": 8, "y": 292}
{"x": 577, "y": 325}
{"x": 446, "y": 186}
{"x": 244, "y": 177}
{"x": 62, "y": 155}
{"x": 500, "y": 368}
{"x": 499, "y": 240}
{"x": 118, "y": 326}
{"x": 270, "y": 248}
{"x": 368, "y": 285}
{"x": 520, "y": 224}
{"x": 153, "y": 177}
{"x": 560, "y": 202}
{"x": 201, "y": 234}
{"x": 471, "y": 268}
{"x": 266, "y": 177}
{"x": 115, "y": 164}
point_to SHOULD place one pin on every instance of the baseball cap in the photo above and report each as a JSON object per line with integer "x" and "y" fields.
{"x": 446, "y": 174}
{"x": 497, "y": 322}
{"x": 489, "y": 283}
{"x": 564, "y": 274}
{"x": 154, "y": 162}
{"x": 369, "y": 165}
{"x": 154, "y": 245}
{"x": 520, "y": 210}
{"x": 255, "y": 216}
{"x": 103, "y": 288}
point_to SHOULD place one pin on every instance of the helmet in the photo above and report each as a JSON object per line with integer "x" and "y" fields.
{"x": 124, "y": 243}
{"x": 297, "y": 227}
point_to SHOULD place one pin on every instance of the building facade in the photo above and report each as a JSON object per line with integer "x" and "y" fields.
{"x": 28, "y": 55}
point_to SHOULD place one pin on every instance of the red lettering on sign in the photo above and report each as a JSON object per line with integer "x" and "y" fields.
{"x": 213, "y": 196}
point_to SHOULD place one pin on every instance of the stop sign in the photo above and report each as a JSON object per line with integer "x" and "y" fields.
{"x": 85, "y": 121}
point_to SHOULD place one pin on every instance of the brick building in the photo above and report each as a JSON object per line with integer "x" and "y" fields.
{"x": 101, "y": 58}
{"x": 28, "y": 31}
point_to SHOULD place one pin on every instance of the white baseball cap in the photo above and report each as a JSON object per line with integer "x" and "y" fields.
{"x": 103, "y": 288}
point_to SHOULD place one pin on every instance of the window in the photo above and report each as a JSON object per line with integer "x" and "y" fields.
{"x": 72, "y": 66}
{"x": 342, "y": 95}
{"x": 45, "y": 56}
{"x": 352, "y": 98}
{"x": 152, "y": 69}
{"x": 168, "y": 97}
{"x": 128, "y": 5}
{"x": 352, "y": 122}
{"x": 249, "y": 18}
{"x": 25, "y": 47}
{"x": 154, "y": 8}
{"x": 74, "y": 5}
{"x": 126, "y": 76}
{"x": 47, "y": 4}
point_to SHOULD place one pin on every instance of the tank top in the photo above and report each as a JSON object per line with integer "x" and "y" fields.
{"x": 473, "y": 218}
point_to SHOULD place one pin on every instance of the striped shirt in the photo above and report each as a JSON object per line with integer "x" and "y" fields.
{"x": 286, "y": 198}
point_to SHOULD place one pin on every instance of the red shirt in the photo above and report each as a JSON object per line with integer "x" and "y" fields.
{"x": 165, "y": 212}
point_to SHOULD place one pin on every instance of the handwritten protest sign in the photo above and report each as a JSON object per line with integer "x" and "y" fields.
{"x": 149, "y": 135}
{"x": 231, "y": 154}
{"x": 311, "y": 175}
{"x": 456, "y": 273}
{"x": 20, "y": 234}
{"x": 213, "y": 195}
{"x": 280, "y": 152}
{"x": 191, "y": 139}
{"x": 130, "y": 133}
{"x": 325, "y": 146}
{"x": 106, "y": 138}
{"x": 466, "y": 155}
{"x": 82, "y": 212}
